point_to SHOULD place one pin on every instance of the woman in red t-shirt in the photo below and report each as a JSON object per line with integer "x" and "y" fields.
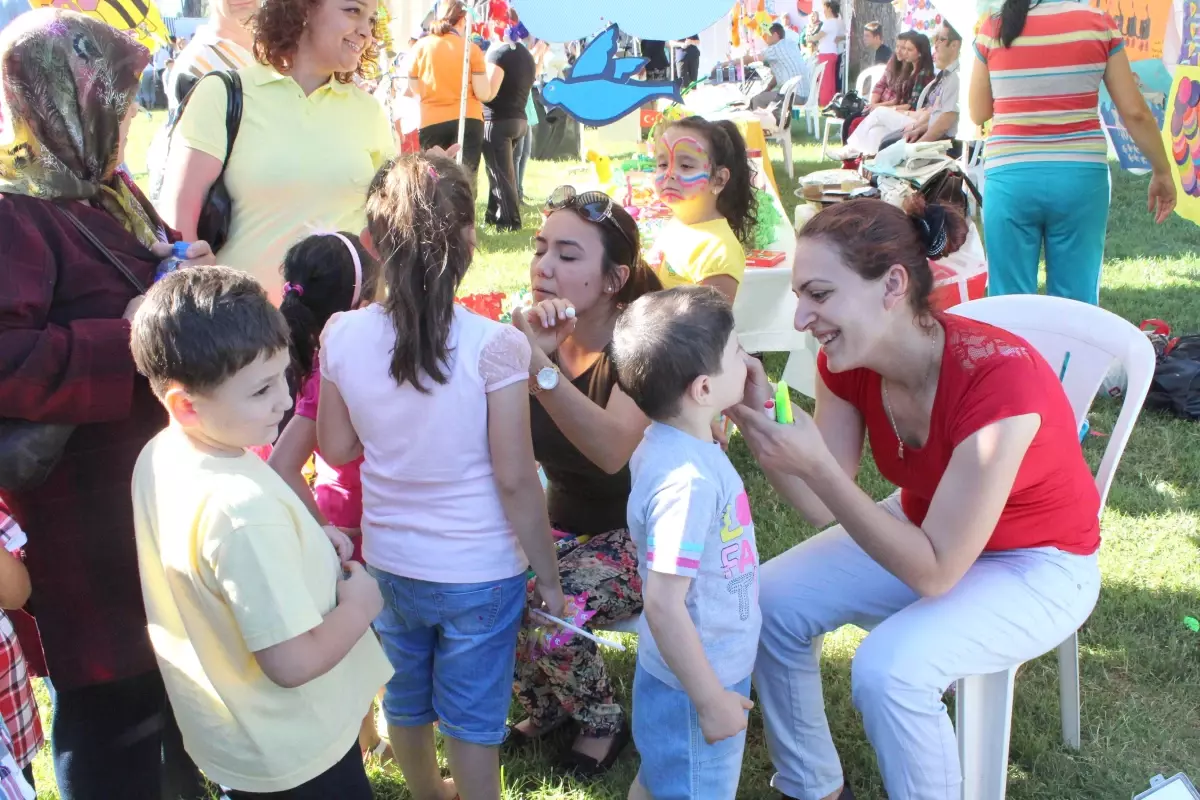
{"x": 985, "y": 558}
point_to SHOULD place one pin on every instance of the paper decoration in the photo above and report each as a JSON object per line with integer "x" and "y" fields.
{"x": 601, "y": 89}
{"x": 140, "y": 17}
{"x": 567, "y": 20}
{"x": 1143, "y": 23}
{"x": 1181, "y": 135}
{"x": 921, "y": 16}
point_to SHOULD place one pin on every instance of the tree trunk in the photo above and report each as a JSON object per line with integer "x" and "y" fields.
{"x": 195, "y": 8}
{"x": 869, "y": 11}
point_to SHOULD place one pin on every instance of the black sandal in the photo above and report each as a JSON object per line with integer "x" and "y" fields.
{"x": 584, "y": 766}
{"x": 519, "y": 740}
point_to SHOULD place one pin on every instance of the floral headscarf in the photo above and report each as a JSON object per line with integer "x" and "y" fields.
{"x": 66, "y": 82}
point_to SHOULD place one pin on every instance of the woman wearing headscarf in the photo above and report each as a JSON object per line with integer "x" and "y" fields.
{"x": 67, "y": 86}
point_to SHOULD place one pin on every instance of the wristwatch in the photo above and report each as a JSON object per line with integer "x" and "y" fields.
{"x": 545, "y": 380}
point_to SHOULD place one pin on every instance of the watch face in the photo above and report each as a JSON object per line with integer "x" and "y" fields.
{"x": 547, "y": 378}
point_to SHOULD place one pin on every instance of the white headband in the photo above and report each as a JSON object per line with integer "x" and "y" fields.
{"x": 357, "y": 266}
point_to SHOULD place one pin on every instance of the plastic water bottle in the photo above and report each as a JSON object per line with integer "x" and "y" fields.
{"x": 179, "y": 252}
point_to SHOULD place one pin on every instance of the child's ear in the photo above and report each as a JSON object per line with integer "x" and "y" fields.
{"x": 720, "y": 180}
{"x": 180, "y": 406}
{"x": 368, "y": 243}
{"x": 700, "y": 391}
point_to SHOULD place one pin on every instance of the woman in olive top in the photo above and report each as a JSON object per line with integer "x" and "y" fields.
{"x": 584, "y": 431}
{"x": 309, "y": 143}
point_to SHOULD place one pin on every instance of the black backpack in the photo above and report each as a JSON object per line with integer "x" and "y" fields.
{"x": 1176, "y": 383}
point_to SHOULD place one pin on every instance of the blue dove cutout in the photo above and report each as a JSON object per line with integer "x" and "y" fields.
{"x": 600, "y": 89}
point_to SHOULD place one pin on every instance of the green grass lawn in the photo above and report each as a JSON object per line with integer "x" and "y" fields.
{"x": 1140, "y": 665}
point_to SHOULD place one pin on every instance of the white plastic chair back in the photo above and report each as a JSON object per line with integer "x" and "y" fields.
{"x": 1085, "y": 340}
{"x": 868, "y": 78}
{"x": 788, "y": 93}
{"x": 924, "y": 95}
{"x": 812, "y": 105}
{"x": 1093, "y": 338}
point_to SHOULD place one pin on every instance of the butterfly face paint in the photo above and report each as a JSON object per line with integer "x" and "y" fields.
{"x": 683, "y": 171}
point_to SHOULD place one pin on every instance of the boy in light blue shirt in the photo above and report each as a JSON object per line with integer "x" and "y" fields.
{"x": 678, "y": 358}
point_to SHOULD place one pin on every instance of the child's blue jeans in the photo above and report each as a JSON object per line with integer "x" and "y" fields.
{"x": 454, "y": 648}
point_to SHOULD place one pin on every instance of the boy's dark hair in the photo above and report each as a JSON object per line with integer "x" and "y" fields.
{"x": 737, "y": 202}
{"x": 778, "y": 30}
{"x": 665, "y": 340}
{"x": 200, "y": 325}
{"x": 319, "y": 282}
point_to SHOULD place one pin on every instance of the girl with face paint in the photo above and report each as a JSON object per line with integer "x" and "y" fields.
{"x": 703, "y": 176}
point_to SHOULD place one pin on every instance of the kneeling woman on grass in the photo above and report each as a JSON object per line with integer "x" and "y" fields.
{"x": 984, "y": 559}
{"x": 584, "y": 431}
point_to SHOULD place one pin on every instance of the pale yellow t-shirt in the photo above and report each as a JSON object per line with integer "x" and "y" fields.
{"x": 688, "y": 254}
{"x": 232, "y": 563}
{"x": 299, "y": 163}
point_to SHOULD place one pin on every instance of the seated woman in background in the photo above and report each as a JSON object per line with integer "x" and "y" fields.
{"x": 584, "y": 431}
{"x": 883, "y": 120}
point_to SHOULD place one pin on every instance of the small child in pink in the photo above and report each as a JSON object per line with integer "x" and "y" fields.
{"x": 325, "y": 274}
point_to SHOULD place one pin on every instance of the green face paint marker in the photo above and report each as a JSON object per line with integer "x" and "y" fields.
{"x": 783, "y": 404}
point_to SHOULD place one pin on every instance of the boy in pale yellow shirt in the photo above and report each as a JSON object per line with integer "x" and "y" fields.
{"x": 263, "y": 641}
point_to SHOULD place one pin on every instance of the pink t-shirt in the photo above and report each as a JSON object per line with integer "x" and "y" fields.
{"x": 338, "y": 489}
{"x": 431, "y": 508}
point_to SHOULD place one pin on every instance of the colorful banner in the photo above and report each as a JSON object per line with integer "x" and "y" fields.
{"x": 921, "y": 16}
{"x": 1155, "y": 82}
{"x": 1181, "y": 135}
{"x": 1143, "y": 24}
{"x": 139, "y": 17}
{"x": 1189, "y": 34}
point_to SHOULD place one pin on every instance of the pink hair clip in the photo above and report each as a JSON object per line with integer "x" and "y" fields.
{"x": 293, "y": 287}
{"x": 433, "y": 173}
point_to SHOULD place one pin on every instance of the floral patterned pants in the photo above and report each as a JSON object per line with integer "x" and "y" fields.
{"x": 569, "y": 678}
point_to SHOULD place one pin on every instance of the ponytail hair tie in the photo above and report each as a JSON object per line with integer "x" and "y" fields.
{"x": 932, "y": 227}
{"x": 289, "y": 288}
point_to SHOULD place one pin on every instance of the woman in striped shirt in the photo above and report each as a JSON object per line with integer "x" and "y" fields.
{"x": 1046, "y": 161}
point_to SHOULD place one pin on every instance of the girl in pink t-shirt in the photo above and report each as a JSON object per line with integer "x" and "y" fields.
{"x": 324, "y": 274}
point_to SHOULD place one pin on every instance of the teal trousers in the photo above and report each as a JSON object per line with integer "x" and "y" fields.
{"x": 1062, "y": 208}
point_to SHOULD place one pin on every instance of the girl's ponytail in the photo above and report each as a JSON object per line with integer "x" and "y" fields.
{"x": 321, "y": 277}
{"x": 419, "y": 209}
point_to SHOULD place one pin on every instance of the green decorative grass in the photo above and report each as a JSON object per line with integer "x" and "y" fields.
{"x": 1140, "y": 663}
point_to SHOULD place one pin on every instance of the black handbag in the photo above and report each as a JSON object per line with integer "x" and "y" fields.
{"x": 217, "y": 211}
{"x": 1175, "y": 386}
{"x": 29, "y": 451}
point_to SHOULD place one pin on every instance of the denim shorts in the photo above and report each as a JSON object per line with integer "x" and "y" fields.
{"x": 453, "y": 646}
{"x": 677, "y": 764}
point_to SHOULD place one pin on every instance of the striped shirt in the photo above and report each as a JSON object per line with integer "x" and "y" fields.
{"x": 206, "y": 53}
{"x": 1046, "y": 86}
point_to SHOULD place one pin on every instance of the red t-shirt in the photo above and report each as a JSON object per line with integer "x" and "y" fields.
{"x": 987, "y": 375}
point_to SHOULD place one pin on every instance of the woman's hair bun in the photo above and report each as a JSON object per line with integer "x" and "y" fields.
{"x": 942, "y": 228}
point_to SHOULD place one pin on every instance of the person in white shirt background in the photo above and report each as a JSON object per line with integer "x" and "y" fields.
{"x": 829, "y": 39}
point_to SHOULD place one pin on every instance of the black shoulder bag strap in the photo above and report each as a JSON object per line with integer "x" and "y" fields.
{"x": 233, "y": 109}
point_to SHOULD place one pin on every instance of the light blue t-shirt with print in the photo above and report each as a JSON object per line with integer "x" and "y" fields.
{"x": 689, "y": 515}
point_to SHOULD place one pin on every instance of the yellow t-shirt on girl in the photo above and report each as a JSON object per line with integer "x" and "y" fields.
{"x": 688, "y": 254}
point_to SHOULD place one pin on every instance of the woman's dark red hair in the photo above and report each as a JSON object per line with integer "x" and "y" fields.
{"x": 279, "y": 24}
{"x": 873, "y": 236}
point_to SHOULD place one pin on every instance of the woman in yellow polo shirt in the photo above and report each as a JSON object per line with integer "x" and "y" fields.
{"x": 435, "y": 75}
{"x": 309, "y": 144}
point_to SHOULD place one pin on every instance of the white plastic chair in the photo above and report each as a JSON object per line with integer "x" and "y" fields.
{"x": 1094, "y": 338}
{"x": 812, "y": 106}
{"x": 783, "y": 134}
{"x": 866, "y": 82}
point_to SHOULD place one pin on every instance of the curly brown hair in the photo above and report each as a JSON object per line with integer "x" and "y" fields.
{"x": 279, "y": 24}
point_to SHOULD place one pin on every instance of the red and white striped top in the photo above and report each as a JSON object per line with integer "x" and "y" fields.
{"x": 1046, "y": 85}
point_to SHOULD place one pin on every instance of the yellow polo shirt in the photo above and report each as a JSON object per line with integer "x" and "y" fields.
{"x": 689, "y": 254}
{"x": 231, "y": 563}
{"x": 298, "y": 164}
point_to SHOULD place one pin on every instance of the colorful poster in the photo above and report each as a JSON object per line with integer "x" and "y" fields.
{"x": 1189, "y": 34}
{"x": 1143, "y": 23}
{"x": 1181, "y": 134}
{"x": 1155, "y": 82}
{"x": 139, "y": 17}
